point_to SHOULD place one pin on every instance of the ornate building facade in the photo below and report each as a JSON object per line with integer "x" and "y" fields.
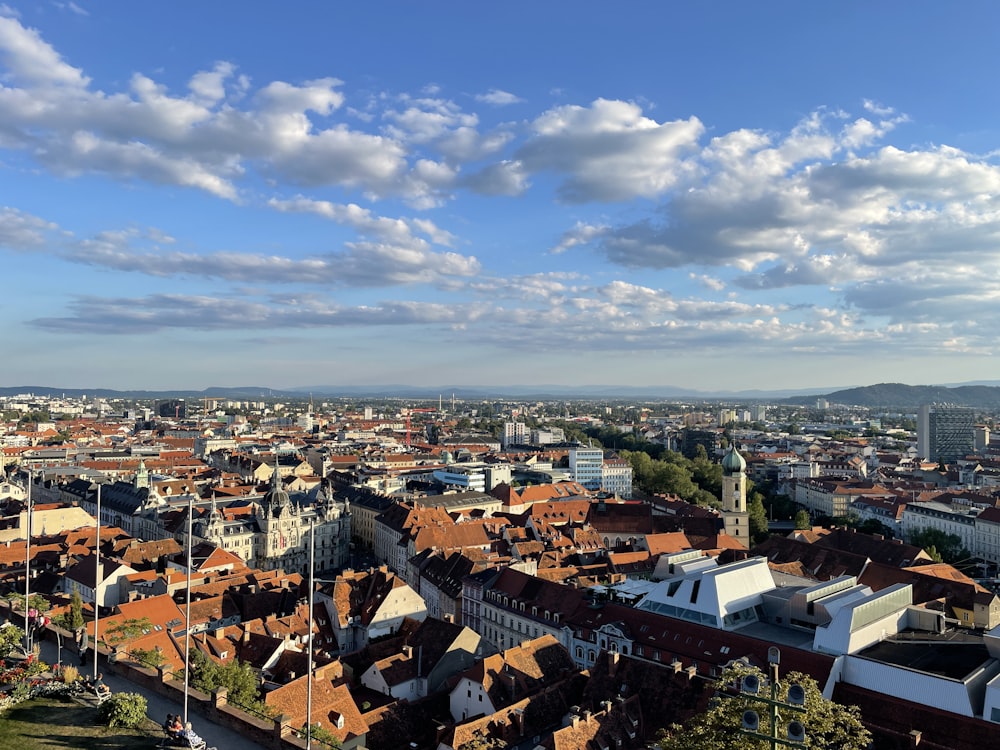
{"x": 275, "y": 533}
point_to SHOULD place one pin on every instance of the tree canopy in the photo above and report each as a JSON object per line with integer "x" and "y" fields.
{"x": 829, "y": 725}
{"x": 947, "y": 546}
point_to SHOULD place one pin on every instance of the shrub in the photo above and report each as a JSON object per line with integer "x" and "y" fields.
{"x": 70, "y": 674}
{"x": 125, "y": 710}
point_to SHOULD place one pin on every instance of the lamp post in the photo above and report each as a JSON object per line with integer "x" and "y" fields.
{"x": 750, "y": 687}
{"x": 27, "y": 568}
{"x": 97, "y": 577}
{"x": 187, "y": 609}
{"x": 309, "y": 636}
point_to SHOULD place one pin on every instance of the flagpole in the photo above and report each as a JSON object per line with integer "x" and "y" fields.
{"x": 27, "y": 571}
{"x": 309, "y": 637}
{"x": 97, "y": 576}
{"x": 187, "y": 612}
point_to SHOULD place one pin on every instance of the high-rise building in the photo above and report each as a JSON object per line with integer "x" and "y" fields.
{"x": 945, "y": 433}
{"x": 514, "y": 433}
{"x": 586, "y": 466}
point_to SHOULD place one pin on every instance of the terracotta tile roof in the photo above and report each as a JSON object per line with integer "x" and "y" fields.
{"x": 819, "y": 563}
{"x": 560, "y": 512}
{"x": 674, "y": 541}
{"x": 873, "y": 546}
{"x": 332, "y": 704}
{"x": 523, "y": 670}
{"x": 612, "y": 726}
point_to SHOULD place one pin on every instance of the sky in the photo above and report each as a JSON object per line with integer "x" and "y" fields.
{"x": 716, "y": 196}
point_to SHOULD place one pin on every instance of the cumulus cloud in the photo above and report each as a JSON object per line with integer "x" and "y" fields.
{"x": 503, "y": 178}
{"x": 609, "y": 151}
{"x": 220, "y": 132}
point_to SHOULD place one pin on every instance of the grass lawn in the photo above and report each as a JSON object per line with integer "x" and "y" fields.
{"x": 52, "y": 723}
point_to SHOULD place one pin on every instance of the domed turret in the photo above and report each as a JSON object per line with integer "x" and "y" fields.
{"x": 276, "y": 499}
{"x": 733, "y": 462}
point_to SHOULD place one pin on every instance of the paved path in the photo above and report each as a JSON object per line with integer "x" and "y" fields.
{"x": 157, "y": 706}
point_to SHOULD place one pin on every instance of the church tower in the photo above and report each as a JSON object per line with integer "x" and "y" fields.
{"x": 735, "y": 518}
{"x": 142, "y": 476}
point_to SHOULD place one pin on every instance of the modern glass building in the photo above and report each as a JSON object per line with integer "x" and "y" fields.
{"x": 946, "y": 433}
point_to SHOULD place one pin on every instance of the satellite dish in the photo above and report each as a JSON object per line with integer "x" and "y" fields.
{"x": 751, "y": 721}
{"x": 751, "y": 684}
{"x": 796, "y": 732}
{"x": 796, "y": 695}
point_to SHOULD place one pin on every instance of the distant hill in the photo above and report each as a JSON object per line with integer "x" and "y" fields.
{"x": 910, "y": 397}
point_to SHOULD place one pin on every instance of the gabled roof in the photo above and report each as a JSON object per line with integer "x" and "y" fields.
{"x": 520, "y": 671}
{"x": 331, "y": 704}
{"x": 818, "y": 563}
{"x": 875, "y": 547}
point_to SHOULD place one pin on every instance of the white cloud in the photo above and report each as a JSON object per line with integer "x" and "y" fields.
{"x": 32, "y": 61}
{"x": 498, "y": 97}
{"x": 580, "y": 234}
{"x": 22, "y": 231}
{"x": 609, "y": 151}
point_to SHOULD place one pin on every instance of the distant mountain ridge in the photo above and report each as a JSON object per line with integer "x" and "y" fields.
{"x": 911, "y": 396}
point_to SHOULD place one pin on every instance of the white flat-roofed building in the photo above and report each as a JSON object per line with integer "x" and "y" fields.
{"x": 727, "y": 597}
{"x": 860, "y": 623}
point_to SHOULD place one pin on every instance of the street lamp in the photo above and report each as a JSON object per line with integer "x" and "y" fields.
{"x": 309, "y": 636}
{"x": 27, "y": 569}
{"x": 795, "y": 732}
{"x": 97, "y": 578}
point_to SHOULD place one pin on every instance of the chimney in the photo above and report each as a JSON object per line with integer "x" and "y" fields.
{"x": 613, "y": 663}
{"x": 691, "y": 672}
{"x": 519, "y": 720}
{"x": 915, "y": 735}
{"x": 448, "y": 617}
{"x": 408, "y": 652}
{"x": 586, "y": 716}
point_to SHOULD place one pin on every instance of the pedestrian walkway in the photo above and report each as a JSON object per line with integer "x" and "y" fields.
{"x": 157, "y": 706}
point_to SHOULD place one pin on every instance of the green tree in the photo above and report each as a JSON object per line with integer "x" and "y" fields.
{"x": 802, "y": 520}
{"x": 147, "y": 657}
{"x": 829, "y": 725}
{"x": 482, "y": 740}
{"x": 948, "y": 545}
{"x": 874, "y": 526}
{"x": 126, "y": 710}
{"x": 11, "y": 638}
{"x": 125, "y": 630}
{"x": 240, "y": 680}
{"x": 758, "y": 518}
{"x": 320, "y": 734}
{"x": 35, "y": 601}
{"x": 75, "y": 615}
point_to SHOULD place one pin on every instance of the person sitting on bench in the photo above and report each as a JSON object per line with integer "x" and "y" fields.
{"x": 100, "y": 688}
{"x": 192, "y": 738}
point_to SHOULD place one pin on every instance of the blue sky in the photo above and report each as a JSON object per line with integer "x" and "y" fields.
{"x": 718, "y": 196}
